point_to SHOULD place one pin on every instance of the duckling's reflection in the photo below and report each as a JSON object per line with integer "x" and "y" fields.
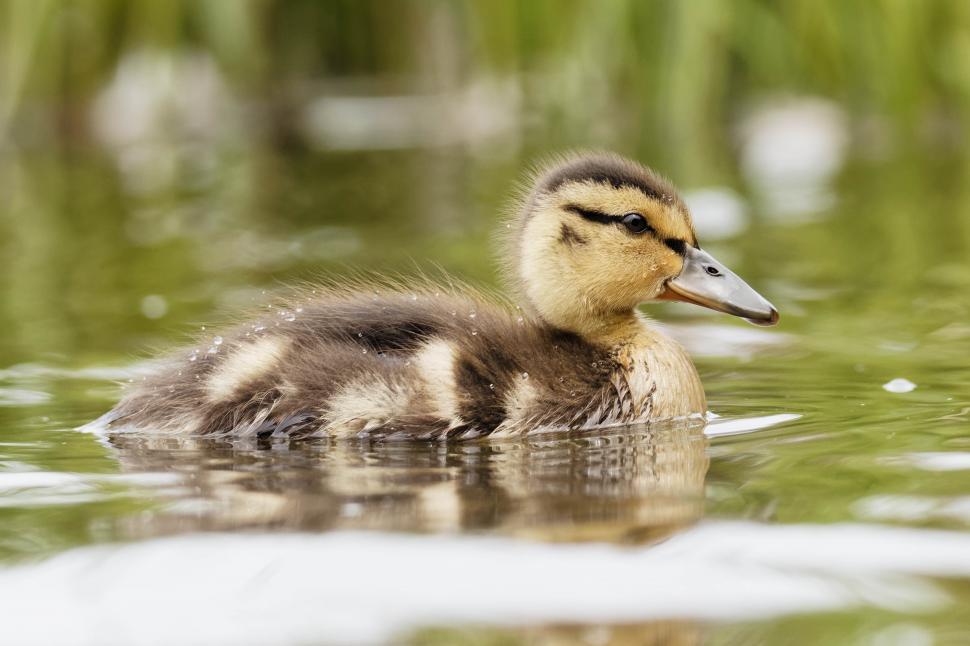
{"x": 635, "y": 484}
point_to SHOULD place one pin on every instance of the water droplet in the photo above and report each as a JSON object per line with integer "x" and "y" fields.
{"x": 360, "y": 335}
{"x": 491, "y": 386}
{"x": 594, "y": 364}
{"x": 454, "y": 313}
{"x": 899, "y": 385}
{"x": 290, "y": 318}
{"x": 508, "y": 226}
{"x": 217, "y": 340}
{"x": 562, "y": 380}
{"x": 212, "y": 350}
{"x": 203, "y": 328}
{"x": 364, "y": 350}
{"x": 474, "y": 332}
{"x": 520, "y": 320}
{"x": 473, "y": 315}
{"x": 259, "y": 328}
{"x": 525, "y": 375}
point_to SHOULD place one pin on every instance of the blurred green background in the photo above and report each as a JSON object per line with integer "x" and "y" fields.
{"x": 159, "y": 160}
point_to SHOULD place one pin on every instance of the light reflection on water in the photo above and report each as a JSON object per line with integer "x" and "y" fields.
{"x": 351, "y": 587}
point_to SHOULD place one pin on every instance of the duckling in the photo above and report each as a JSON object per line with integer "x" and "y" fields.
{"x": 595, "y": 236}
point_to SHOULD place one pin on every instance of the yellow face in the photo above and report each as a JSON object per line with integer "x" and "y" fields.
{"x": 590, "y": 249}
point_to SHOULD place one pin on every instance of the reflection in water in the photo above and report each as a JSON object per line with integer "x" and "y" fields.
{"x": 629, "y": 484}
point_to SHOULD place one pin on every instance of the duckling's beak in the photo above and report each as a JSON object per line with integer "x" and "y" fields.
{"x": 705, "y": 281}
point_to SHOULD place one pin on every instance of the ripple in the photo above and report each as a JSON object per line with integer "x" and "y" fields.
{"x": 39, "y": 371}
{"x": 918, "y": 509}
{"x": 713, "y": 340}
{"x": 26, "y": 488}
{"x": 933, "y": 460}
{"x": 44, "y": 488}
{"x": 718, "y": 426}
{"x": 23, "y": 397}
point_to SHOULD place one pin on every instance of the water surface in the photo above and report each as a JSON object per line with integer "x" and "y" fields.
{"x": 828, "y": 498}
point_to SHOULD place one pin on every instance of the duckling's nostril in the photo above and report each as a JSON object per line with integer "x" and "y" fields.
{"x": 712, "y": 270}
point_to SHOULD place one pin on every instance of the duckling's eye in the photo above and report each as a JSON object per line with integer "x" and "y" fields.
{"x": 635, "y": 223}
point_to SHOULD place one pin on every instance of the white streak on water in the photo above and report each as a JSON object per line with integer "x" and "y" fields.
{"x": 937, "y": 460}
{"x": 26, "y": 488}
{"x": 367, "y": 588}
{"x": 716, "y": 340}
{"x": 34, "y": 372}
{"x": 913, "y": 509}
{"x": 23, "y": 397}
{"x": 719, "y": 426}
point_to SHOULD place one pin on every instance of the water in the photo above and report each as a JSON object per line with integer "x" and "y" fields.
{"x": 828, "y": 497}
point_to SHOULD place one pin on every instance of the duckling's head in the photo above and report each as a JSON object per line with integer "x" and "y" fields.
{"x": 599, "y": 234}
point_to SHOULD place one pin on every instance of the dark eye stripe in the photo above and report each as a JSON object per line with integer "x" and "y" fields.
{"x": 604, "y": 218}
{"x": 675, "y": 244}
{"x": 593, "y": 216}
{"x": 679, "y": 246}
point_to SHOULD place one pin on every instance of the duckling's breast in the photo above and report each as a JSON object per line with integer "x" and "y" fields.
{"x": 662, "y": 376}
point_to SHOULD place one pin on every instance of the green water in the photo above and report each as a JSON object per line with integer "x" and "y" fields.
{"x": 875, "y": 287}
{"x": 215, "y": 152}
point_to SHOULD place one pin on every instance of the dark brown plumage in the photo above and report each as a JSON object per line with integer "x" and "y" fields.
{"x": 334, "y": 340}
